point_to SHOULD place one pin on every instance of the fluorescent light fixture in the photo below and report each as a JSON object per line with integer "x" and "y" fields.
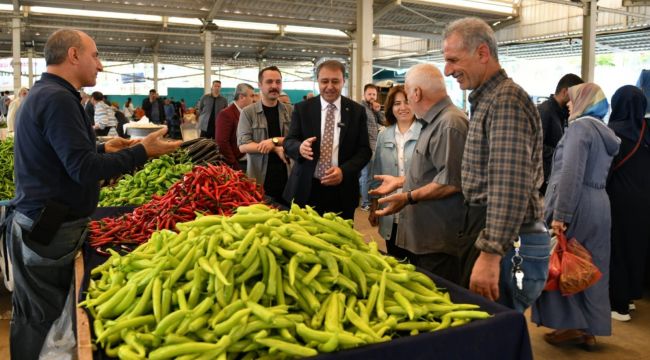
{"x": 184, "y": 20}
{"x": 314, "y": 30}
{"x": 484, "y": 6}
{"x": 7, "y": 7}
{"x": 244, "y": 25}
{"x": 99, "y": 14}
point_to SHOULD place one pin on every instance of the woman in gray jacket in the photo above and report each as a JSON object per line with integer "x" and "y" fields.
{"x": 576, "y": 203}
{"x": 395, "y": 145}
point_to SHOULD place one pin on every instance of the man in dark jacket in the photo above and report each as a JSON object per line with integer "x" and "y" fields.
{"x": 554, "y": 114}
{"x": 328, "y": 142}
{"x": 154, "y": 108}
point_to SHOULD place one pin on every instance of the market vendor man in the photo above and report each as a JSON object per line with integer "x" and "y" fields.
{"x": 57, "y": 172}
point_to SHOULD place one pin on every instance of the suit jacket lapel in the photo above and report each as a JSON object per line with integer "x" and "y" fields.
{"x": 315, "y": 114}
{"x": 345, "y": 119}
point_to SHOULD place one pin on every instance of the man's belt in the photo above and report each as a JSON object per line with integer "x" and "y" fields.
{"x": 533, "y": 227}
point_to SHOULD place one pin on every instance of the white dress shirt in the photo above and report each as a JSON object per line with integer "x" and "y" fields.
{"x": 337, "y": 129}
{"x": 400, "y": 142}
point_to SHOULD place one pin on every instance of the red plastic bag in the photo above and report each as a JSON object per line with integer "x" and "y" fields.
{"x": 571, "y": 268}
{"x": 578, "y": 269}
{"x": 554, "y": 268}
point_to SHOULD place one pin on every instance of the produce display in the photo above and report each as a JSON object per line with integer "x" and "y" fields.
{"x": 203, "y": 151}
{"x": 155, "y": 178}
{"x": 7, "y": 187}
{"x": 261, "y": 284}
{"x": 209, "y": 189}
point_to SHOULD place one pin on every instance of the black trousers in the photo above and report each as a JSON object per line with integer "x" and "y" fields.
{"x": 328, "y": 199}
{"x": 392, "y": 249}
{"x": 444, "y": 265}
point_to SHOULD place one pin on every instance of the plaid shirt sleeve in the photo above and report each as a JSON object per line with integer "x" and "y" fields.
{"x": 511, "y": 140}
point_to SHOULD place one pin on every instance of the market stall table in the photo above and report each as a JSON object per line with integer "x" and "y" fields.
{"x": 503, "y": 336}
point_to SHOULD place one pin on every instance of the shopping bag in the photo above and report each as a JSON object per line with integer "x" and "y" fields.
{"x": 578, "y": 270}
{"x": 555, "y": 265}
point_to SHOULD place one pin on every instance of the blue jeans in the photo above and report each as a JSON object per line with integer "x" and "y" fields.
{"x": 535, "y": 251}
{"x": 364, "y": 185}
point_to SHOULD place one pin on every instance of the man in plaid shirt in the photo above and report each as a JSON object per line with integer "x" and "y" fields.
{"x": 501, "y": 169}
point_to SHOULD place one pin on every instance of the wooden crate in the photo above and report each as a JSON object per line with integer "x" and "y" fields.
{"x": 84, "y": 343}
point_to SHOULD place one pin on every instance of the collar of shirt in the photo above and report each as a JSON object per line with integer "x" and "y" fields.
{"x": 63, "y": 82}
{"x": 433, "y": 112}
{"x": 408, "y": 135}
{"x": 237, "y": 106}
{"x": 337, "y": 103}
{"x": 487, "y": 87}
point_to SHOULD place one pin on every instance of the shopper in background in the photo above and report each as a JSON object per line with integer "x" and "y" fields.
{"x": 629, "y": 194}
{"x": 328, "y": 141}
{"x": 432, "y": 202}
{"x": 57, "y": 172}
{"x": 644, "y": 84}
{"x": 555, "y": 114}
{"x": 375, "y": 117}
{"x": 260, "y": 134}
{"x": 89, "y": 106}
{"x": 226, "y": 130}
{"x": 284, "y": 98}
{"x": 4, "y": 96}
{"x": 393, "y": 154}
{"x": 14, "y": 105}
{"x": 501, "y": 169}
{"x": 576, "y": 204}
{"x": 128, "y": 110}
{"x": 209, "y": 107}
{"x": 153, "y": 107}
{"x": 104, "y": 115}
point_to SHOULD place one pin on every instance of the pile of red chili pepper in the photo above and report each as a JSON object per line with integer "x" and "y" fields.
{"x": 209, "y": 189}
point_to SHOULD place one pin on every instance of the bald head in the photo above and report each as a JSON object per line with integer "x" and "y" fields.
{"x": 57, "y": 45}
{"x": 424, "y": 87}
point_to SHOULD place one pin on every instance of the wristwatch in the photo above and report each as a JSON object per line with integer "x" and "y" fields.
{"x": 409, "y": 197}
{"x": 276, "y": 141}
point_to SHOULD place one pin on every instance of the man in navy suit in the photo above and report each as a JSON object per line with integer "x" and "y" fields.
{"x": 328, "y": 141}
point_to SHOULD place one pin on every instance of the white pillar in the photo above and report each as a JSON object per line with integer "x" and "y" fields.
{"x": 363, "y": 56}
{"x": 589, "y": 19}
{"x": 30, "y": 71}
{"x": 15, "y": 31}
{"x": 354, "y": 68}
{"x": 207, "y": 61}
{"x": 155, "y": 71}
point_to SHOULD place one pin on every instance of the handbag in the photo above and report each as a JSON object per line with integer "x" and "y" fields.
{"x": 571, "y": 268}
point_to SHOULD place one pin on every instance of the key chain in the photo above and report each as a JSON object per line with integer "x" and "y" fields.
{"x": 517, "y": 260}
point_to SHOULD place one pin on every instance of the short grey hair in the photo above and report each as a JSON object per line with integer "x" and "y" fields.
{"x": 240, "y": 90}
{"x": 57, "y": 45}
{"x": 473, "y": 32}
{"x": 427, "y": 77}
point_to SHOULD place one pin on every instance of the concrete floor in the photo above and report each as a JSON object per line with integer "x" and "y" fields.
{"x": 628, "y": 341}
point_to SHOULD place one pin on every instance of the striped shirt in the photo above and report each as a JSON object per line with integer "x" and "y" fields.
{"x": 502, "y": 163}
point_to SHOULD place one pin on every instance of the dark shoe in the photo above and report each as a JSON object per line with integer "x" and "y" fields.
{"x": 589, "y": 342}
{"x": 565, "y": 337}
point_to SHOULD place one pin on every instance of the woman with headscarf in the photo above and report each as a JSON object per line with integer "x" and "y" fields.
{"x": 576, "y": 203}
{"x": 629, "y": 194}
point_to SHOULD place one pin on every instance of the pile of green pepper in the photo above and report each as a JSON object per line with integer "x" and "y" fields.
{"x": 7, "y": 187}
{"x": 157, "y": 176}
{"x": 261, "y": 284}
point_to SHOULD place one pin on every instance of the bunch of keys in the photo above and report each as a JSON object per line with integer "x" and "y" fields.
{"x": 517, "y": 260}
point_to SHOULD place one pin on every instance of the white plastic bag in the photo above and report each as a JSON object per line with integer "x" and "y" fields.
{"x": 61, "y": 342}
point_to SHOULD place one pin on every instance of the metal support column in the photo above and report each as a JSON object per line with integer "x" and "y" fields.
{"x": 30, "y": 70}
{"x": 589, "y": 19}
{"x": 155, "y": 71}
{"x": 207, "y": 61}
{"x": 15, "y": 42}
{"x": 363, "y": 56}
